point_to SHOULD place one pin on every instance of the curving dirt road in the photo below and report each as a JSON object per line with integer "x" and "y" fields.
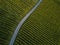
{"x": 22, "y": 21}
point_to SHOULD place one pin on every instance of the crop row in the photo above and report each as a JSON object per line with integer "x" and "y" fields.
{"x": 42, "y": 27}
{"x": 11, "y": 12}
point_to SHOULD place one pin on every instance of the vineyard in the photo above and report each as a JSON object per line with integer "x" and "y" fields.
{"x": 11, "y": 12}
{"x": 42, "y": 27}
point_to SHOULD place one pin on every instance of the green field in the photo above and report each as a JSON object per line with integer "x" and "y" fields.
{"x": 11, "y": 12}
{"x": 42, "y": 27}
